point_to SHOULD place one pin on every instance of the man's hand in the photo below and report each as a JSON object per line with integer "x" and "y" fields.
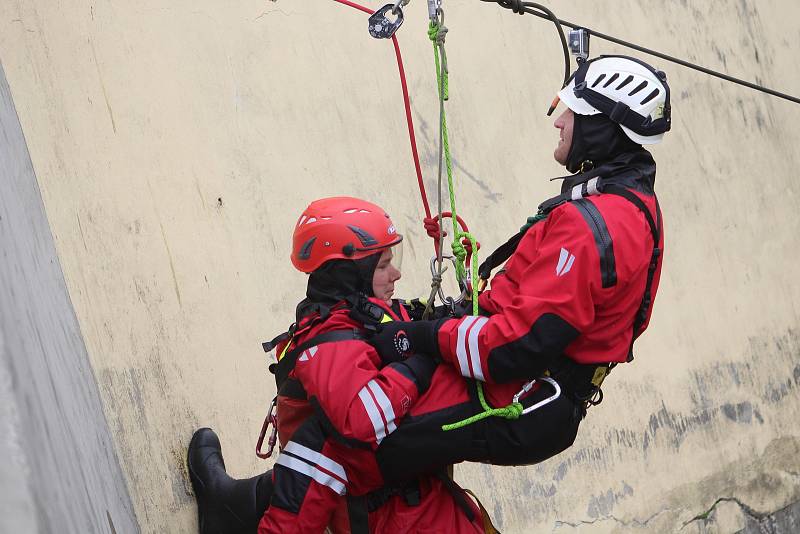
{"x": 398, "y": 340}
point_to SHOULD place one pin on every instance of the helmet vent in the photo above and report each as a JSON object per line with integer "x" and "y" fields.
{"x": 638, "y": 88}
{"x": 366, "y": 239}
{"x": 302, "y": 220}
{"x": 599, "y": 79}
{"x": 650, "y": 97}
{"x": 356, "y": 210}
{"x": 305, "y": 250}
{"x": 611, "y": 80}
{"x": 628, "y": 80}
{"x": 311, "y": 220}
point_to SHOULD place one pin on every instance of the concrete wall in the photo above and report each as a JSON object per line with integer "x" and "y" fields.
{"x": 175, "y": 143}
{"x": 59, "y": 472}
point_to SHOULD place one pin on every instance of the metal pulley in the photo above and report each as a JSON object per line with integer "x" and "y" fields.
{"x": 381, "y": 26}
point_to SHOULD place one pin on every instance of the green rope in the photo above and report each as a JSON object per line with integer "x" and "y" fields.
{"x": 436, "y": 33}
{"x": 512, "y": 411}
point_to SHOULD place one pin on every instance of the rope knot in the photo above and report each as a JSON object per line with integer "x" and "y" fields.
{"x": 517, "y": 6}
{"x": 437, "y": 33}
{"x": 513, "y": 411}
{"x": 459, "y": 251}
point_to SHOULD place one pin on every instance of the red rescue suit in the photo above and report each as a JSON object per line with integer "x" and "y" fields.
{"x": 360, "y": 403}
{"x": 572, "y": 288}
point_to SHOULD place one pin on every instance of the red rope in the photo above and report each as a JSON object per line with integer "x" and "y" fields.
{"x": 407, "y": 103}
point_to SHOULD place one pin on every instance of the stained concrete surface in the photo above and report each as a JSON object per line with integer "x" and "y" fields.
{"x": 59, "y": 470}
{"x": 175, "y": 143}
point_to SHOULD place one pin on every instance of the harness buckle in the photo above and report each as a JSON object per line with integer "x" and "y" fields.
{"x": 529, "y": 385}
{"x": 270, "y": 419}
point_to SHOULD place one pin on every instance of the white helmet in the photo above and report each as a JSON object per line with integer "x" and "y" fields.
{"x": 628, "y": 91}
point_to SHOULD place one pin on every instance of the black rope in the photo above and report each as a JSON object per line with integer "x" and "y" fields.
{"x": 518, "y": 6}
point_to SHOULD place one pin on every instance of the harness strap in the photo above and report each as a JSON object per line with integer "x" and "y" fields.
{"x": 286, "y": 364}
{"x": 655, "y": 230}
{"x": 456, "y": 492}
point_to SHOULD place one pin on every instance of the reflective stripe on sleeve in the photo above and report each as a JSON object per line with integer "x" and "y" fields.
{"x": 384, "y": 404}
{"x": 461, "y": 345}
{"x": 474, "y": 349}
{"x": 373, "y": 413}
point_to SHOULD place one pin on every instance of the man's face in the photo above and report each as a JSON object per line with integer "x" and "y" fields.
{"x": 386, "y": 274}
{"x": 564, "y": 123}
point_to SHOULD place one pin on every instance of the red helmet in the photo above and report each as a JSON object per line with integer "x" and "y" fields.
{"x": 340, "y": 228}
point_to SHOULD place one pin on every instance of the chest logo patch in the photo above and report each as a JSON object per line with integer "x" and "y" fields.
{"x": 308, "y": 354}
{"x": 565, "y": 261}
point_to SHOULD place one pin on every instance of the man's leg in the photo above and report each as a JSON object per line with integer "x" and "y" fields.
{"x": 225, "y": 505}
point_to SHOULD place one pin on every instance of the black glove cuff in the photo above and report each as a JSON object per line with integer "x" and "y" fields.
{"x": 422, "y": 368}
{"x": 425, "y": 337}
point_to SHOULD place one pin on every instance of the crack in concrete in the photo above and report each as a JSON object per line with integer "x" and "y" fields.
{"x": 632, "y": 522}
{"x": 745, "y": 508}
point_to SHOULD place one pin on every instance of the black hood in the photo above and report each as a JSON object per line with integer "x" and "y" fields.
{"x": 338, "y": 280}
{"x": 597, "y": 139}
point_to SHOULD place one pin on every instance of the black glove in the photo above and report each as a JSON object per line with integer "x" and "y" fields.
{"x": 420, "y": 368}
{"x": 397, "y": 340}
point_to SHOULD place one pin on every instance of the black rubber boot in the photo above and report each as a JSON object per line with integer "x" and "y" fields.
{"x": 224, "y": 505}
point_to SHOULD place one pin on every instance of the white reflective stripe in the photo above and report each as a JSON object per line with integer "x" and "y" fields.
{"x": 562, "y": 259}
{"x": 474, "y": 350}
{"x": 372, "y": 412}
{"x": 310, "y": 471}
{"x": 384, "y": 404}
{"x": 316, "y": 458}
{"x": 569, "y": 265}
{"x": 461, "y": 345}
{"x": 576, "y": 192}
{"x": 591, "y": 186}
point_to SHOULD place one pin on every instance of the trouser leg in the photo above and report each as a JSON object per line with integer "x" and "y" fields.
{"x": 419, "y": 445}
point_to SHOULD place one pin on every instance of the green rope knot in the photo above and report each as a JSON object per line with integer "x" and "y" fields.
{"x": 437, "y": 33}
{"x": 459, "y": 250}
{"x": 512, "y": 411}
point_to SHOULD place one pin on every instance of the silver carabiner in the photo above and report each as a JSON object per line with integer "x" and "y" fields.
{"x": 399, "y": 5}
{"x": 528, "y": 386}
{"x": 433, "y": 9}
{"x": 435, "y": 272}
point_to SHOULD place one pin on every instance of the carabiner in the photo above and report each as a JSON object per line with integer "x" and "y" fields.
{"x": 399, "y": 5}
{"x": 433, "y": 9}
{"x": 434, "y": 272}
{"x": 528, "y": 386}
{"x": 271, "y": 419}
